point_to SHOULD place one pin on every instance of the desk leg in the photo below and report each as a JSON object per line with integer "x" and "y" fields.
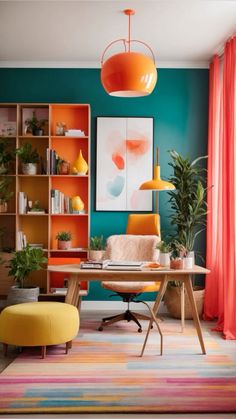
{"x": 182, "y": 307}
{"x": 154, "y": 311}
{"x": 72, "y": 296}
{"x": 189, "y": 289}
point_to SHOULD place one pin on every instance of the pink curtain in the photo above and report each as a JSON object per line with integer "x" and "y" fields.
{"x": 220, "y": 296}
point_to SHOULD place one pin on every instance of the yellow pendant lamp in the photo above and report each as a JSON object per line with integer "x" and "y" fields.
{"x": 128, "y": 74}
{"x": 157, "y": 184}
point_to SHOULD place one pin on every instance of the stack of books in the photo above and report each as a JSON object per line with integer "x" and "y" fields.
{"x": 94, "y": 264}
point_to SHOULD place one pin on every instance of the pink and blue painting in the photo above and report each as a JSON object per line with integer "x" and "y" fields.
{"x": 124, "y": 162}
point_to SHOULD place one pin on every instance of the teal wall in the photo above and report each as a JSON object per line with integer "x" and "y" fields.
{"x": 179, "y": 106}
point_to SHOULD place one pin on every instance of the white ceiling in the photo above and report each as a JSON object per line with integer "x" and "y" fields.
{"x": 182, "y": 33}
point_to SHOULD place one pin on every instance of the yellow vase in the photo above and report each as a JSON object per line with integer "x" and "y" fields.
{"x": 80, "y": 165}
{"x": 77, "y": 203}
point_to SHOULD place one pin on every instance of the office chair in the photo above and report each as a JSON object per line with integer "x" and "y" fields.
{"x": 138, "y": 244}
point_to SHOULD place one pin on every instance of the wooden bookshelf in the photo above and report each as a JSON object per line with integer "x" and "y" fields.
{"x": 39, "y": 227}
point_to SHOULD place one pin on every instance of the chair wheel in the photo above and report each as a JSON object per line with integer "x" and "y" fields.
{"x": 100, "y": 328}
{"x": 140, "y": 330}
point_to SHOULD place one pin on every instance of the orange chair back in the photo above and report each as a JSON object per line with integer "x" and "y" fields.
{"x": 143, "y": 224}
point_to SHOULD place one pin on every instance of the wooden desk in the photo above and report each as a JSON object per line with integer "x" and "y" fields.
{"x": 164, "y": 276}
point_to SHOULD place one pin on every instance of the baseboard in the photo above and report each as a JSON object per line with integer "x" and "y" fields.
{"x": 117, "y": 306}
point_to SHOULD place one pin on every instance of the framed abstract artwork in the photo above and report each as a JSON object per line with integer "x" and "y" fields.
{"x": 124, "y": 162}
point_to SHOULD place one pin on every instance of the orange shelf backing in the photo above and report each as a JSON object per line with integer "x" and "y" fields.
{"x": 78, "y": 226}
{"x": 74, "y": 116}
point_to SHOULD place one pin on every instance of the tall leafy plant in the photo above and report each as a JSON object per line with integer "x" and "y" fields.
{"x": 188, "y": 200}
{"x": 25, "y": 261}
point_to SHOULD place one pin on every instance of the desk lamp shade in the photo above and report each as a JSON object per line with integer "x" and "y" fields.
{"x": 157, "y": 184}
{"x": 128, "y": 74}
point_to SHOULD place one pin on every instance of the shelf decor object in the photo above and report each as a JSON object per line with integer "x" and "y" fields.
{"x": 39, "y": 203}
{"x": 128, "y": 74}
{"x": 77, "y": 203}
{"x": 80, "y": 166}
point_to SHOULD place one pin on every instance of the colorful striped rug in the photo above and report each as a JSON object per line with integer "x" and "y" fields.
{"x": 104, "y": 373}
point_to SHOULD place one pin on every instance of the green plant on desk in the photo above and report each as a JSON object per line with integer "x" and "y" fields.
{"x": 97, "y": 243}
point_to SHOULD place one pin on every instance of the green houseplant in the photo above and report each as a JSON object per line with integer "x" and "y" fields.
{"x": 188, "y": 200}
{"x": 5, "y": 193}
{"x": 6, "y": 156}
{"x": 188, "y": 212}
{"x": 35, "y": 125}
{"x": 164, "y": 249}
{"x": 64, "y": 240}
{"x": 21, "y": 265}
{"x": 96, "y": 248}
{"x": 29, "y": 158}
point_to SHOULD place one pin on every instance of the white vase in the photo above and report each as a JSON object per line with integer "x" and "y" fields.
{"x": 164, "y": 259}
{"x": 189, "y": 260}
{"x": 29, "y": 168}
{"x": 188, "y": 263}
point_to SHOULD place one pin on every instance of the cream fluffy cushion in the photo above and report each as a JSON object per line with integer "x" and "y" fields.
{"x": 132, "y": 248}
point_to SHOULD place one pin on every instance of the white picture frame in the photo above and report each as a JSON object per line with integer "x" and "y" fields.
{"x": 124, "y": 161}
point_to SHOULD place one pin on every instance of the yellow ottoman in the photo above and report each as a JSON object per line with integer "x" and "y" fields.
{"x": 39, "y": 324}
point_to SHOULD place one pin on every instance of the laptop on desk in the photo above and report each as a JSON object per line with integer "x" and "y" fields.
{"x": 124, "y": 265}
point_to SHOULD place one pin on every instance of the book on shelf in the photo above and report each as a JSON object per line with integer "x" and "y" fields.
{"x": 36, "y": 212}
{"x": 21, "y": 240}
{"x": 93, "y": 264}
{"x": 60, "y": 291}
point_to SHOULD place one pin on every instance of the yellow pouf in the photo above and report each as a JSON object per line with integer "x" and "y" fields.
{"x": 39, "y": 324}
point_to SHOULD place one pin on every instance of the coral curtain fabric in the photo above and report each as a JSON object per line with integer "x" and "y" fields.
{"x": 220, "y": 297}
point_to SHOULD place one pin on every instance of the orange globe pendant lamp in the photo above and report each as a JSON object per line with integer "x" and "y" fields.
{"x": 128, "y": 74}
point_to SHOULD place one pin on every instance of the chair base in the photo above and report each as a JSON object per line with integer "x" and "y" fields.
{"x": 127, "y": 315}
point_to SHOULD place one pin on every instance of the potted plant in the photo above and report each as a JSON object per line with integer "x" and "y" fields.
{"x": 189, "y": 208}
{"x": 21, "y": 264}
{"x": 176, "y": 259}
{"x": 188, "y": 200}
{"x": 5, "y": 193}
{"x": 6, "y": 156}
{"x": 35, "y": 125}
{"x": 63, "y": 240}
{"x": 29, "y": 158}
{"x": 165, "y": 249}
{"x": 96, "y": 248}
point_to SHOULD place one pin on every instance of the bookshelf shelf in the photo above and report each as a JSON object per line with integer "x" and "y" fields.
{"x": 42, "y": 228}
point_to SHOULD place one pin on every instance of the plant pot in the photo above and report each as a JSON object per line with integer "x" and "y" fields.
{"x": 3, "y": 206}
{"x": 18, "y": 295}
{"x": 172, "y": 300}
{"x": 188, "y": 263}
{"x": 63, "y": 245}
{"x": 176, "y": 263}
{"x": 38, "y": 132}
{"x": 96, "y": 255}
{"x": 29, "y": 168}
{"x": 164, "y": 259}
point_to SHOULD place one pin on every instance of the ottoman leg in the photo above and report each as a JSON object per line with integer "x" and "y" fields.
{"x": 43, "y": 351}
{"x": 5, "y": 347}
{"x": 68, "y": 346}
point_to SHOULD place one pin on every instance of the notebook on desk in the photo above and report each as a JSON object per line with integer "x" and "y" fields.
{"x": 125, "y": 265}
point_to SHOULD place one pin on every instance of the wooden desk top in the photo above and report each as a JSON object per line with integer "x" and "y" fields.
{"x": 120, "y": 275}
